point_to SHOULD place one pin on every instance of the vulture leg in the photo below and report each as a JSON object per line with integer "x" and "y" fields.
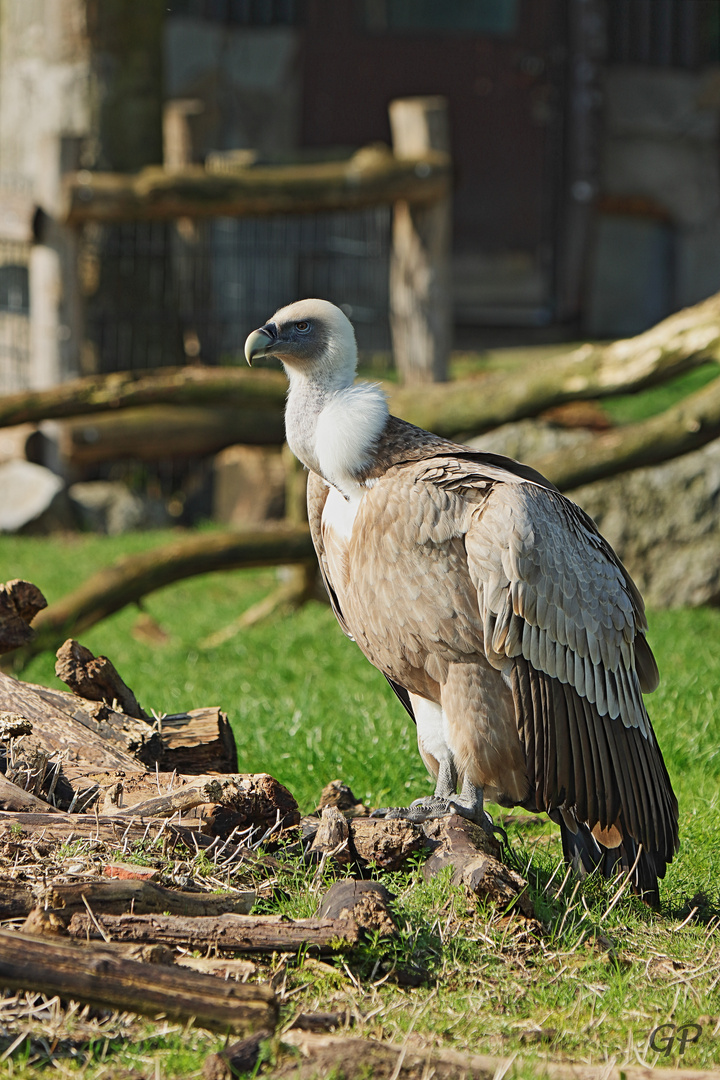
{"x": 431, "y": 806}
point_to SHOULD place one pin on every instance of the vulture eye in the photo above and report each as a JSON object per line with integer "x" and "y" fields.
{"x": 303, "y": 327}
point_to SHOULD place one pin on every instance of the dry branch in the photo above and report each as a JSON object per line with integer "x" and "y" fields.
{"x": 134, "y": 576}
{"x": 115, "y": 896}
{"x": 233, "y": 933}
{"x": 371, "y": 177}
{"x": 99, "y": 977}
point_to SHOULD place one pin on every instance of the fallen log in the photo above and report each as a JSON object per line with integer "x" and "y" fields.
{"x": 239, "y": 802}
{"x": 232, "y": 933}
{"x": 682, "y": 341}
{"x": 103, "y": 739}
{"x": 256, "y": 391}
{"x": 199, "y": 741}
{"x": 19, "y": 604}
{"x": 692, "y": 423}
{"x": 16, "y": 799}
{"x": 678, "y": 343}
{"x": 115, "y": 896}
{"x": 159, "y": 432}
{"x": 98, "y": 977}
{"x": 133, "y": 577}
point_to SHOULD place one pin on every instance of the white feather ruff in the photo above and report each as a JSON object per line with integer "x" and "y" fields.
{"x": 347, "y": 428}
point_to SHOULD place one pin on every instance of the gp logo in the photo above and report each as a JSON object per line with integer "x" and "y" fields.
{"x": 663, "y": 1038}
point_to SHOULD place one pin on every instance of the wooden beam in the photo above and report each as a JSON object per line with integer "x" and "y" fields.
{"x": 420, "y": 303}
{"x": 372, "y": 177}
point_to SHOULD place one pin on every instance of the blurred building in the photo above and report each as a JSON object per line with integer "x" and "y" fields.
{"x": 584, "y": 138}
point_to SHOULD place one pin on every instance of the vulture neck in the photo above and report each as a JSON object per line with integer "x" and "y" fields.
{"x": 331, "y": 425}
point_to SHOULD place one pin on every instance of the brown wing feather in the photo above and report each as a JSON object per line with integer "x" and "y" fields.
{"x": 575, "y": 635}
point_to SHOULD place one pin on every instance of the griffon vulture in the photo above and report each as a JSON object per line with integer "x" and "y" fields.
{"x": 504, "y": 622}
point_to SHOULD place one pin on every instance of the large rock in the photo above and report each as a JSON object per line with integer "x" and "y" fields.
{"x": 108, "y": 506}
{"x": 664, "y": 523}
{"x": 249, "y": 485}
{"x": 32, "y": 499}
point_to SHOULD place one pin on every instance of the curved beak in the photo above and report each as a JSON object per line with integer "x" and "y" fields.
{"x": 259, "y": 342}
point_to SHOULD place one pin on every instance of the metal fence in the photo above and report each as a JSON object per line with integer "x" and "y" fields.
{"x": 157, "y": 293}
{"x": 14, "y": 315}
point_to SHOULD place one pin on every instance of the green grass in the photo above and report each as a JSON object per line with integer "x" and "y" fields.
{"x": 307, "y": 707}
{"x": 632, "y": 408}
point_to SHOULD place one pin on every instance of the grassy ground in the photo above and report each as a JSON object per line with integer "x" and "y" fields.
{"x": 592, "y": 981}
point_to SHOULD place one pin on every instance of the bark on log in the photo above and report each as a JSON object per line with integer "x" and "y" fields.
{"x": 371, "y": 177}
{"x": 95, "y": 679}
{"x": 687, "y": 426}
{"x": 19, "y": 604}
{"x": 680, "y": 342}
{"x": 16, "y": 899}
{"x": 134, "y": 576}
{"x": 98, "y": 977}
{"x": 234, "y": 933}
{"x": 115, "y": 896}
{"x": 355, "y": 1058}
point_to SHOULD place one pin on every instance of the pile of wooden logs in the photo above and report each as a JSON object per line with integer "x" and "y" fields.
{"x": 103, "y": 814}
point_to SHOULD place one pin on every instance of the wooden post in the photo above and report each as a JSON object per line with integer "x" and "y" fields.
{"x": 420, "y": 304}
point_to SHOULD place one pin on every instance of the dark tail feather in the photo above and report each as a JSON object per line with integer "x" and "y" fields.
{"x": 585, "y": 854}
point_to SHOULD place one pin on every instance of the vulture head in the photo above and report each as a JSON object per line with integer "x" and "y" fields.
{"x": 312, "y": 338}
